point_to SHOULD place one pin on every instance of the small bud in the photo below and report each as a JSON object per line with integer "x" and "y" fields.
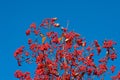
{"x": 56, "y": 24}
{"x": 83, "y": 44}
{"x": 55, "y": 18}
{"x": 66, "y": 39}
{"x": 64, "y": 29}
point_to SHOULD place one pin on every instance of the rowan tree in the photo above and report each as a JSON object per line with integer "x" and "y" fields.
{"x": 63, "y": 54}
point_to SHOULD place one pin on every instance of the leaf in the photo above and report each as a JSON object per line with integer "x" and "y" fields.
{"x": 42, "y": 35}
{"x": 43, "y": 39}
{"x": 60, "y": 39}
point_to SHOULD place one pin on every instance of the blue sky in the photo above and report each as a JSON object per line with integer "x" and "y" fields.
{"x": 93, "y": 19}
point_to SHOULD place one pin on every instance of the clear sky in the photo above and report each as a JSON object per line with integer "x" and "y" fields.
{"x": 93, "y": 19}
